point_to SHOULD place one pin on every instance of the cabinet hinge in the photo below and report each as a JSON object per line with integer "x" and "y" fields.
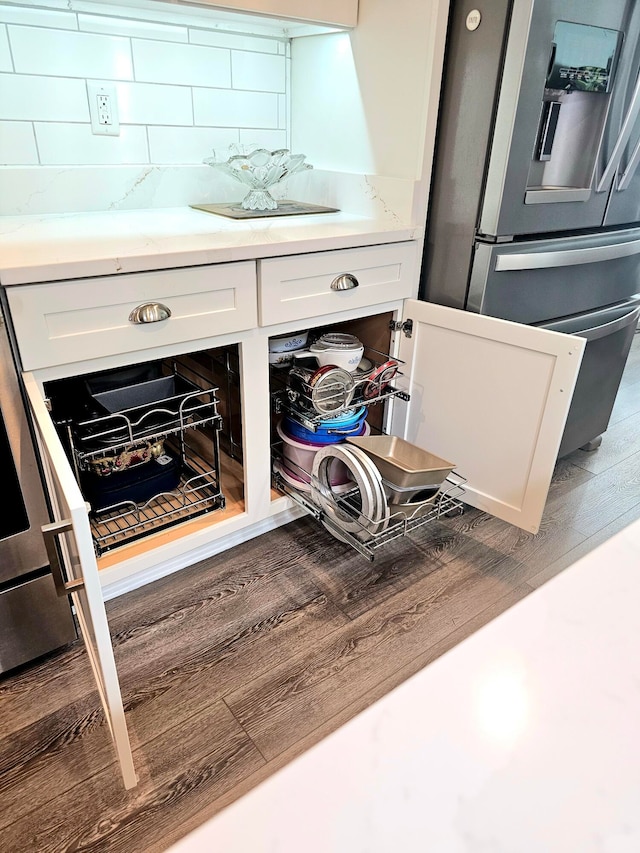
{"x": 406, "y": 327}
{"x": 47, "y": 404}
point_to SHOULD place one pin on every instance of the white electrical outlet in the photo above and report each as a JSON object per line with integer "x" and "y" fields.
{"x": 103, "y": 109}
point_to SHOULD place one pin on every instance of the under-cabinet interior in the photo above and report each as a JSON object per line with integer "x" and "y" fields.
{"x": 155, "y": 446}
{"x": 317, "y": 430}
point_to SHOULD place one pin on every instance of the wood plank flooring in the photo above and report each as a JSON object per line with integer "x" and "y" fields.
{"x": 233, "y": 667}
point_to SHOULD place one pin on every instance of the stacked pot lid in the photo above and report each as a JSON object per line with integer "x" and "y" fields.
{"x": 365, "y": 512}
{"x": 327, "y": 390}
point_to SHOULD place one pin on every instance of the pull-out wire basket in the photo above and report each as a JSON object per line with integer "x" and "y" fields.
{"x": 151, "y": 465}
{"x": 365, "y": 534}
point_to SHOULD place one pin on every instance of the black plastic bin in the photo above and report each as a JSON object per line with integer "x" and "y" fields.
{"x": 142, "y": 409}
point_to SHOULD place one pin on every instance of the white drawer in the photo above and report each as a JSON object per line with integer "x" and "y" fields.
{"x": 69, "y": 321}
{"x": 299, "y": 286}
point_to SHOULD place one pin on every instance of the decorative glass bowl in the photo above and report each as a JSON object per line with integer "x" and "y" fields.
{"x": 258, "y": 169}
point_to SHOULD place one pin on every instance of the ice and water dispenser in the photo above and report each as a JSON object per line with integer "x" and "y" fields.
{"x": 576, "y": 99}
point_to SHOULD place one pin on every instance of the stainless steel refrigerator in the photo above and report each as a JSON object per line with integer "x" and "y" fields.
{"x": 535, "y": 204}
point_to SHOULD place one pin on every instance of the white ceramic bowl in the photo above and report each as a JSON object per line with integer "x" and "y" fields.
{"x": 347, "y": 359}
{"x": 288, "y": 343}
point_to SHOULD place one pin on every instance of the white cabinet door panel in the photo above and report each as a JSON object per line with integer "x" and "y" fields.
{"x": 81, "y": 575}
{"x": 493, "y": 397}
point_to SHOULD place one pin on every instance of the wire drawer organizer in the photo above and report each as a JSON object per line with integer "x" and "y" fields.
{"x": 147, "y": 458}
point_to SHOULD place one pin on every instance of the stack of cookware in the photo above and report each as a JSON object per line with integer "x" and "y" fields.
{"x": 121, "y": 447}
{"x": 396, "y": 481}
{"x": 363, "y": 483}
{"x": 320, "y": 386}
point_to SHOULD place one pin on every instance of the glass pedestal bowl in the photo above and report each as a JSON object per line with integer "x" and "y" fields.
{"x": 258, "y": 169}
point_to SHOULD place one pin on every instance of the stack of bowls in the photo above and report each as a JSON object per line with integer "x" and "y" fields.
{"x": 300, "y": 446}
{"x": 338, "y": 349}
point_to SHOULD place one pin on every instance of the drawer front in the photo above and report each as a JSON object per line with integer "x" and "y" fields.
{"x": 70, "y": 321}
{"x": 300, "y": 286}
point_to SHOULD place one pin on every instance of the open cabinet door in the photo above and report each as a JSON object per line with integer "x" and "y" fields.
{"x": 75, "y": 572}
{"x": 493, "y": 397}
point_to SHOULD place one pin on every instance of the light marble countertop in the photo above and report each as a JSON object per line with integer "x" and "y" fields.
{"x": 57, "y": 246}
{"x": 524, "y": 738}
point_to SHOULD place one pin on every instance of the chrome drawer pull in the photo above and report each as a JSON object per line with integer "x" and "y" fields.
{"x": 49, "y": 533}
{"x": 346, "y": 281}
{"x": 150, "y": 312}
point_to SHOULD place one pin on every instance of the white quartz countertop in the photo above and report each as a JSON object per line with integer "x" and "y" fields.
{"x": 524, "y": 738}
{"x": 60, "y": 246}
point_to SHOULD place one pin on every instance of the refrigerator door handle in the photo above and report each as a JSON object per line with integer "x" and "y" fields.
{"x": 622, "y": 140}
{"x": 565, "y": 258}
{"x": 629, "y": 172}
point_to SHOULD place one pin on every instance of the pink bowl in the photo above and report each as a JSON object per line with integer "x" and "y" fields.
{"x": 299, "y": 455}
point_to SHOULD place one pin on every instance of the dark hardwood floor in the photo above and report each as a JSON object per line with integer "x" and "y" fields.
{"x": 231, "y": 668}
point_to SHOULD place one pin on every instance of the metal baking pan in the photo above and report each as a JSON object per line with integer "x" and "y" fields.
{"x": 403, "y": 464}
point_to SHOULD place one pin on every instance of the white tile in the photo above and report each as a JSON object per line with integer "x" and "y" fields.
{"x": 187, "y": 144}
{"x": 17, "y": 143}
{"x": 43, "y": 98}
{"x": 38, "y": 17}
{"x": 129, "y": 27}
{"x": 59, "y": 52}
{"x": 282, "y": 112}
{"x": 5, "y": 54}
{"x": 189, "y": 65}
{"x": 257, "y": 71}
{"x": 74, "y": 144}
{"x": 271, "y": 139}
{"x": 154, "y": 103}
{"x": 225, "y": 108}
{"x": 234, "y": 41}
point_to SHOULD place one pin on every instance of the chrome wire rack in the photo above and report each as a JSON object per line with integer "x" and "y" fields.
{"x": 367, "y": 538}
{"x": 149, "y": 467}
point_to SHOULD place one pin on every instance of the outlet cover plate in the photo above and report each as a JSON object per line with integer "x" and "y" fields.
{"x": 104, "y": 122}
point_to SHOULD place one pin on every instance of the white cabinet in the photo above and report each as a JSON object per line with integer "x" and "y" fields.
{"x": 493, "y": 396}
{"x": 69, "y": 321}
{"x": 301, "y": 287}
{"x": 488, "y": 394}
{"x": 341, "y": 13}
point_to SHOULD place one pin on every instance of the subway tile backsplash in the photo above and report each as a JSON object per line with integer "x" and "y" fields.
{"x": 28, "y": 98}
{"x": 181, "y": 88}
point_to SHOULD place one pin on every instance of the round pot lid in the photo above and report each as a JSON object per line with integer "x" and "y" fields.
{"x": 379, "y": 378}
{"x": 371, "y": 516}
{"x": 332, "y": 389}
